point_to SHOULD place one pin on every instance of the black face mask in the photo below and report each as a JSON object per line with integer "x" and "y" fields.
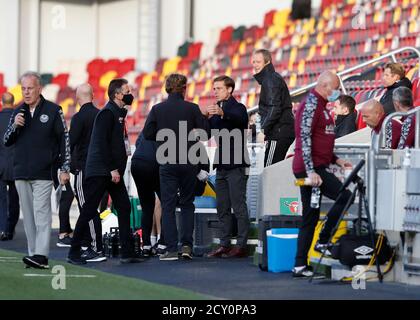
{"x": 128, "y": 99}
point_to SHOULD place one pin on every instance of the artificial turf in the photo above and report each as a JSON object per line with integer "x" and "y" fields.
{"x": 81, "y": 283}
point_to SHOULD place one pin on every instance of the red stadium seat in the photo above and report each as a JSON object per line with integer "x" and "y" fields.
{"x": 226, "y": 35}
{"x": 95, "y": 67}
{"x": 61, "y": 80}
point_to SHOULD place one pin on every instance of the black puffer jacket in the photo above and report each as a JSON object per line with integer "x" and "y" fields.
{"x": 275, "y": 105}
{"x": 386, "y": 99}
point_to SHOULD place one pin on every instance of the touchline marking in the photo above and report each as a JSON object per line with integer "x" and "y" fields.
{"x": 53, "y": 275}
{"x": 10, "y": 261}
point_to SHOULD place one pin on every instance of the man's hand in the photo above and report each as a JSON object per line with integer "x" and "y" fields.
{"x": 316, "y": 180}
{"x": 214, "y": 109}
{"x": 19, "y": 120}
{"x": 115, "y": 176}
{"x": 64, "y": 178}
{"x": 344, "y": 164}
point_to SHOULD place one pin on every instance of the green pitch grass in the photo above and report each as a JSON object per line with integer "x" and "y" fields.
{"x": 16, "y": 282}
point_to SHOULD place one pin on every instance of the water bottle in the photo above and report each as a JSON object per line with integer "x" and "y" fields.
{"x": 137, "y": 243}
{"x": 315, "y": 197}
{"x": 106, "y": 247}
{"x": 115, "y": 242}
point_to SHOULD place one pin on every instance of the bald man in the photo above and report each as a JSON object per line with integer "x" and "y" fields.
{"x": 373, "y": 115}
{"x": 274, "y": 107}
{"x": 9, "y": 199}
{"x": 314, "y": 128}
{"x": 80, "y": 133}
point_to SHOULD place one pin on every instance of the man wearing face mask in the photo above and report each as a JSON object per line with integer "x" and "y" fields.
{"x": 275, "y": 108}
{"x": 105, "y": 167}
{"x": 315, "y": 137}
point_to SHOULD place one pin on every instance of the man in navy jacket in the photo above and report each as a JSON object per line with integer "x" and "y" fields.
{"x": 176, "y": 120}
{"x": 37, "y": 129}
{"x": 231, "y": 160}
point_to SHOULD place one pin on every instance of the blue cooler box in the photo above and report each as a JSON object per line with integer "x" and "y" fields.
{"x": 281, "y": 249}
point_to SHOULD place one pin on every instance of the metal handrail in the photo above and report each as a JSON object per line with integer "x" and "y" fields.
{"x": 381, "y": 139}
{"x": 378, "y": 141}
{"x": 350, "y": 70}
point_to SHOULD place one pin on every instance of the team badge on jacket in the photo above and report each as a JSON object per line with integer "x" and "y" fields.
{"x": 43, "y": 118}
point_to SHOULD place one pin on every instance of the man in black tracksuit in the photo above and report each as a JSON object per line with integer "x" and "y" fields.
{"x": 275, "y": 108}
{"x": 80, "y": 133}
{"x": 231, "y": 118}
{"x": 176, "y": 118}
{"x": 105, "y": 167}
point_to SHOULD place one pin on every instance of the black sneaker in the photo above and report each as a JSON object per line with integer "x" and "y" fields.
{"x": 169, "y": 256}
{"x": 91, "y": 255}
{"x": 6, "y": 236}
{"x": 36, "y": 261}
{"x": 131, "y": 259}
{"x": 161, "y": 249}
{"x": 76, "y": 258}
{"x": 323, "y": 248}
{"x": 64, "y": 242}
{"x": 186, "y": 252}
{"x": 305, "y": 272}
{"x": 148, "y": 251}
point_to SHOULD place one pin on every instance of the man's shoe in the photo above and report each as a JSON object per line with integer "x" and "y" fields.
{"x": 302, "y": 272}
{"x": 161, "y": 249}
{"x": 236, "y": 252}
{"x": 186, "y": 252}
{"x": 169, "y": 256}
{"x": 64, "y": 242}
{"x": 131, "y": 259}
{"x": 323, "y": 248}
{"x": 36, "y": 261}
{"x": 76, "y": 259}
{"x": 6, "y": 236}
{"x": 91, "y": 255}
{"x": 219, "y": 252}
{"x": 148, "y": 251}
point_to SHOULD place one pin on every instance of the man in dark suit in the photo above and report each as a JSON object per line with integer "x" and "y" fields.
{"x": 9, "y": 199}
{"x": 175, "y": 120}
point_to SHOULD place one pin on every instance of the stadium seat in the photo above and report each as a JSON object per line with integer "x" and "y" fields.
{"x": 61, "y": 80}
